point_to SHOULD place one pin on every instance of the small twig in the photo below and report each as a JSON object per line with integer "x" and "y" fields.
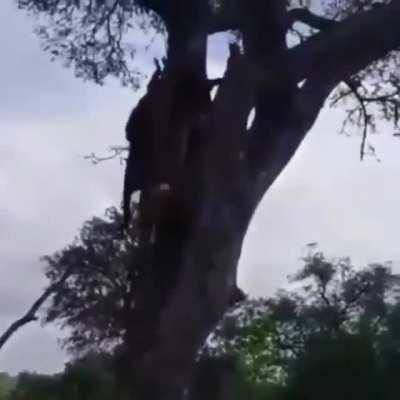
{"x": 364, "y": 113}
{"x": 116, "y": 151}
{"x": 106, "y": 17}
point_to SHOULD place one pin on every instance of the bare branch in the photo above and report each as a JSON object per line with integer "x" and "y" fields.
{"x": 115, "y": 151}
{"x": 30, "y": 315}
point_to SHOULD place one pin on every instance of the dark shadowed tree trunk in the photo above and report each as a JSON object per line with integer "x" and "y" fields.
{"x": 201, "y": 227}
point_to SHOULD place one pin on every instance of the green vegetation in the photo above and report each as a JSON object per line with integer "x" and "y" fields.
{"x": 333, "y": 333}
{"x": 91, "y": 377}
{"x": 7, "y": 384}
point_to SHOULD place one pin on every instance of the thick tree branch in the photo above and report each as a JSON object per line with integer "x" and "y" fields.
{"x": 323, "y": 61}
{"x": 228, "y": 18}
{"x": 160, "y": 7}
{"x": 225, "y": 17}
{"x": 30, "y": 315}
{"x": 220, "y": 24}
{"x": 284, "y": 142}
{"x": 348, "y": 47}
{"x": 232, "y": 105}
{"x": 307, "y": 17}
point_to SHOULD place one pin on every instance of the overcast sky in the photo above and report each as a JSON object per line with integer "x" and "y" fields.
{"x": 49, "y": 120}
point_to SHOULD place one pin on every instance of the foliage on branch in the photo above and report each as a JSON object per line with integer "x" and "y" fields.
{"x": 329, "y": 308}
{"x": 94, "y": 301}
{"x": 92, "y": 376}
{"x": 94, "y": 37}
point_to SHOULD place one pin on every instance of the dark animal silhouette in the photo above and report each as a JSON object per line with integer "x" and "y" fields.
{"x": 164, "y": 131}
{"x": 140, "y": 135}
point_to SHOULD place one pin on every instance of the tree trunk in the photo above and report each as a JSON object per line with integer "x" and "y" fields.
{"x": 204, "y": 218}
{"x": 197, "y": 248}
{"x": 198, "y": 243}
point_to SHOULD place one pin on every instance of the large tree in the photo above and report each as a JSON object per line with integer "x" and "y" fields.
{"x": 219, "y": 174}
